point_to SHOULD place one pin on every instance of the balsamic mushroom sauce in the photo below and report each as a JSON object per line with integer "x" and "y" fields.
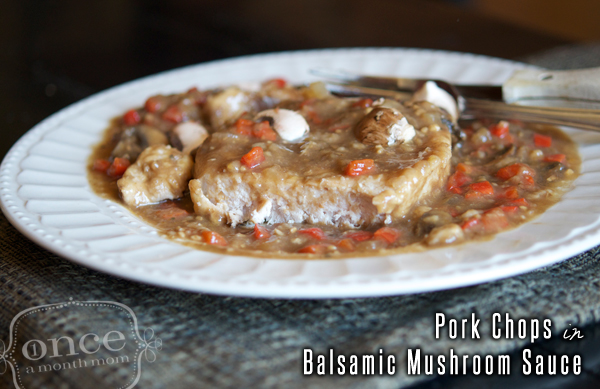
{"x": 279, "y": 170}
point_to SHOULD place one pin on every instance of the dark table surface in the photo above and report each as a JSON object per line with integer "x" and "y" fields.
{"x": 55, "y": 53}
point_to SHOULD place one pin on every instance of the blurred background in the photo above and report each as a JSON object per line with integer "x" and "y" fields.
{"x": 57, "y": 52}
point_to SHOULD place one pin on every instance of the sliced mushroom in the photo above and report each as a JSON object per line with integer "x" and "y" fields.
{"x": 188, "y": 136}
{"x": 227, "y": 105}
{"x": 290, "y": 125}
{"x": 437, "y": 96}
{"x": 384, "y": 126}
{"x": 134, "y": 140}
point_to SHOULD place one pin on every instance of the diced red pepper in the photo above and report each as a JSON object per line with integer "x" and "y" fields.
{"x": 479, "y": 189}
{"x": 118, "y": 167}
{"x": 500, "y": 130}
{"x": 254, "y": 158}
{"x": 314, "y": 232}
{"x": 483, "y": 187}
{"x": 278, "y": 82}
{"x": 510, "y": 171}
{"x": 213, "y": 238}
{"x": 173, "y": 114}
{"x": 542, "y": 140}
{"x": 509, "y": 208}
{"x": 244, "y": 126}
{"x": 359, "y": 236}
{"x": 519, "y": 202}
{"x": 314, "y": 249}
{"x": 153, "y": 104}
{"x": 346, "y": 245}
{"x": 101, "y": 165}
{"x": 264, "y": 131}
{"x": 472, "y": 222}
{"x": 529, "y": 180}
{"x": 363, "y": 103}
{"x": 132, "y": 117}
{"x": 494, "y": 220}
{"x": 511, "y": 192}
{"x": 556, "y": 158}
{"x": 388, "y": 234}
{"x": 360, "y": 167}
{"x": 261, "y": 232}
{"x": 457, "y": 180}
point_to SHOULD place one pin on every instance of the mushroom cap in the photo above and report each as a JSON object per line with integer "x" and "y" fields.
{"x": 290, "y": 125}
{"x": 383, "y": 126}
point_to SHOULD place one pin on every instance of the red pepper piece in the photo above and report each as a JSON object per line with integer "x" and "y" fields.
{"x": 261, "y": 232}
{"x": 363, "y": 103}
{"x": 314, "y": 232}
{"x": 483, "y": 187}
{"x": 264, "y": 131}
{"x": 360, "y": 167}
{"x": 244, "y": 126}
{"x": 494, "y": 220}
{"x": 277, "y": 82}
{"x": 118, "y": 167}
{"x": 511, "y": 192}
{"x": 470, "y": 223}
{"x": 101, "y": 165}
{"x": 457, "y": 180}
{"x": 254, "y": 158}
{"x": 153, "y": 104}
{"x": 359, "y": 236}
{"x": 388, "y": 234}
{"x": 542, "y": 140}
{"x": 213, "y": 238}
{"x": 509, "y": 208}
{"x": 314, "y": 249}
{"x": 346, "y": 245}
{"x": 556, "y": 158}
{"x": 500, "y": 130}
{"x": 519, "y": 202}
{"x": 132, "y": 117}
{"x": 173, "y": 114}
{"x": 510, "y": 171}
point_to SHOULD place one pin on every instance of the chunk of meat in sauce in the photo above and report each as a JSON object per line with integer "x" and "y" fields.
{"x": 160, "y": 173}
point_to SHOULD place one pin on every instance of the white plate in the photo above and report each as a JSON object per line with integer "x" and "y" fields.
{"x": 45, "y": 194}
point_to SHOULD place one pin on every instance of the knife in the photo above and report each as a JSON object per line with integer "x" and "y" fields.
{"x": 532, "y": 87}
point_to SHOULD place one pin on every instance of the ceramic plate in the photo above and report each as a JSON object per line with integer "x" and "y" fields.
{"x": 45, "y": 194}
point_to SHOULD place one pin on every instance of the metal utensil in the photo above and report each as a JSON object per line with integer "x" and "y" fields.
{"x": 563, "y": 98}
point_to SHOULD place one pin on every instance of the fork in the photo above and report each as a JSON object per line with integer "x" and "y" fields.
{"x": 484, "y": 102}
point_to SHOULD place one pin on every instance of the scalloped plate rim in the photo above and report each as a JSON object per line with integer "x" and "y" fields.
{"x": 338, "y": 288}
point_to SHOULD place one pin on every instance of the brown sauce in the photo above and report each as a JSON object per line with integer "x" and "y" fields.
{"x": 501, "y": 176}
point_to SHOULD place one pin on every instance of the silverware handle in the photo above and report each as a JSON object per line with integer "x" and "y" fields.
{"x": 587, "y": 119}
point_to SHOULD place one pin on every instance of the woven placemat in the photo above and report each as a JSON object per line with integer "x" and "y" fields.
{"x": 242, "y": 342}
